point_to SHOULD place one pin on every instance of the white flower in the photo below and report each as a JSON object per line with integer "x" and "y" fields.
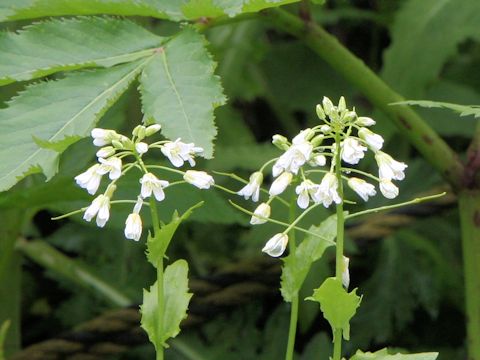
{"x": 373, "y": 140}
{"x": 388, "y": 189}
{"x": 261, "y": 214}
{"x": 150, "y": 183}
{"x": 325, "y": 128}
{"x": 388, "y": 168}
{"x": 365, "y": 121}
{"x": 305, "y": 190}
{"x": 303, "y": 136}
{"x": 280, "y": 184}
{"x": 112, "y": 165}
{"x": 90, "y": 179}
{"x": 292, "y": 159}
{"x": 318, "y": 160}
{"x": 100, "y": 208}
{"x": 327, "y": 191}
{"x": 141, "y": 148}
{"x": 346, "y": 273}
{"x": 178, "y": 152}
{"x": 276, "y": 245}
{"x": 352, "y": 150}
{"x": 102, "y": 137}
{"x": 361, "y": 187}
{"x": 253, "y": 187}
{"x": 105, "y": 152}
{"x": 133, "y": 224}
{"x": 199, "y": 179}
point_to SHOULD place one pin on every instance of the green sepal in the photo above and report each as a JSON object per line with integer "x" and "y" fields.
{"x": 338, "y": 305}
{"x": 176, "y": 300}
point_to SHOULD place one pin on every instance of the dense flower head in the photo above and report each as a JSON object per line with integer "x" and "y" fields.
{"x": 318, "y": 162}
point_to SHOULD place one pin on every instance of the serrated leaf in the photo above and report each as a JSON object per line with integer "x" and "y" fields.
{"x": 57, "y": 112}
{"x": 176, "y": 299}
{"x": 29, "y": 9}
{"x": 180, "y": 91}
{"x": 58, "y": 45}
{"x": 296, "y": 265}
{"x": 213, "y": 8}
{"x": 157, "y": 245}
{"x": 384, "y": 355}
{"x": 463, "y": 110}
{"x": 410, "y": 66}
{"x": 338, "y": 305}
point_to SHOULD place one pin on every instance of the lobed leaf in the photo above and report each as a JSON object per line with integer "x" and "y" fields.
{"x": 297, "y": 265}
{"x": 384, "y": 355}
{"x": 338, "y": 305}
{"x": 463, "y": 110}
{"x": 176, "y": 300}
{"x": 47, "y": 117}
{"x": 57, "y": 45}
{"x": 180, "y": 91}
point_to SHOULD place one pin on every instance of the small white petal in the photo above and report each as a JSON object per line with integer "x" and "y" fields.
{"x": 261, "y": 214}
{"x": 199, "y": 179}
{"x": 388, "y": 168}
{"x": 133, "y": 226}
{"x": 276, "y": 245}
{"x": 362, "y": 188}
{"x": 365, "y": 121}
{"x": 352, "y": 151}
{"x": 388, "y": 189}
{"x": 280, "y": 184}
{"x": 374, "y": 141}
{"x": 151, "y": 184}
{"x": 141, "y": 148}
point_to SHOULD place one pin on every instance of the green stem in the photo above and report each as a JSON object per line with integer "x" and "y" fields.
{"x": 469, "y": 204}
{"x": 411, "y": 125}
{"x": 339, "y": 264}
{"x": 292, "y": 330}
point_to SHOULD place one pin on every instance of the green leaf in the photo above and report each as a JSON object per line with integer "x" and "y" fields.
{"x": 463, "y": 110}
{"x": 213, "y": 8}
{"x": 338, "y": 305}
{"x": 297, "y": 265}
{"x": 54, "y": 115}
{"x": 176, "y": 299}
{"x": 3, "y": 335}
{"x": 383, "y": 355}
{"x": 29, "y": 9}
{"x": 180, "y": 91}
{"x": 156, "y": 246}
{"x": 58, "y": 45}
{"x": 409, "y": 65}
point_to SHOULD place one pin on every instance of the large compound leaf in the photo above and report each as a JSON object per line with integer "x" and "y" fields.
{"x": 384, "y": 355}
{"x": 297, "y": 265}
{"x": 176, "y": 299}
{"x": 48, "y": 117}
{"x": 180, "y": 91}
{"x": 44, "y": 48}
{"x": 437, "y": 27}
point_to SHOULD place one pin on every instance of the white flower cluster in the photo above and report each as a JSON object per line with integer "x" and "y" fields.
{"x": 114, "y": 149}
{"x": 308, "y": 152}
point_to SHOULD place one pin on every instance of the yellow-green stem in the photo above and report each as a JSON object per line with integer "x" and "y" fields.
{"x": 292, "y": 330}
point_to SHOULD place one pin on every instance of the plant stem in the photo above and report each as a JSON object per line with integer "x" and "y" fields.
{"x": 469, "y": 205}
{"x": 292, "y": 330}
{"x": 339, "y": 264}
{"x": 411, "y": 125}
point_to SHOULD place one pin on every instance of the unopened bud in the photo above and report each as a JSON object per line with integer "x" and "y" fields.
{"x": 152, "y": 129}
{"x": 110, "y": 190}
{"x": 328, "y": 106}
{"x": 105, "y": 152}
{"x": 280, "y": 142}
{"x": 365, "y": 121}
{"x": 117, "y": 144}
{"x": 342, "y": 106}
{"x": 320, "y": 112}
{"x": 349, "y": 116}
{"x": 317, "y": 140}
{"x": 139, "y": 132}
{"x": 325, "y": 128}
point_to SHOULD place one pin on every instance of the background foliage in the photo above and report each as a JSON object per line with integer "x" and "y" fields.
{"x": 410, "y": 278}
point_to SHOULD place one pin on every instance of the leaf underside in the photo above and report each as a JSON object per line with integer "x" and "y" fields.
{"x": 47, "y": 117}
{"x": 58, "y": 45}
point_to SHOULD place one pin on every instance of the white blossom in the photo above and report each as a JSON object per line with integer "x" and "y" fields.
{"x": 112, "y": 165}
{"x": 199, "y": 179}
{"x": 388, "y": 189}
{"x": 141, "y": 148}
{"x": 261, "y": 214}
{"x": 346, "y": 273}
{"x": 305, "y": 190}
{"x": 388, "y": 168}
{"x": 303, "y": 136}
{"x": 327, "y": 191}
{"x": 325, "y": 128}
{"x": 365, "y": 121}
{"x": 253, "y": 187}
{"x": 352, "y": 150}
{"x": 374, "y": 141}
{"x": 90, "y": 179}
{"x": 276, "y": 245}
{"x": 292, "y": 159}
{"x": 105, "y": 152}
{"x": 178, "y": 152}
{"x": 151, "y": 184}
{"x": 102, "y": 137}
{"x": 280, "y": 184}
{"x": 133, "y": 224}
{"x": 318, "y": 160}
{"x": 361, "y": 187}
{"x": 100, "y": 207}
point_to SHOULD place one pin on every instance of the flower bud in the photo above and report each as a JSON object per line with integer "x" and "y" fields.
{"x": 276, "y": 245}
{"x": 139, "y": 131}
{"x": 325, "y": 128}
{"x": 365, "y": 121}
{"x": 345, "y": 273}
{"x": 199, "y": 179}
{"x": 342, "y": 106}
{"x": 280, "y": 142}
{"x": 105, "y": 152}
{"x": 317, "y": 140}
{"x": 141, "y": 148}
{"x": 152, "y": 129}
{"x": 349, "y": 116}
{"x": 117, "y": 145}
{"x": 280, "y": 183}
{"x": 388, "y": 189}
{"x": 320, "y": 112}
{"x": 328, "y": 106}
{"x": 374, "y": 141}
{"x": 261, "y": 214}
